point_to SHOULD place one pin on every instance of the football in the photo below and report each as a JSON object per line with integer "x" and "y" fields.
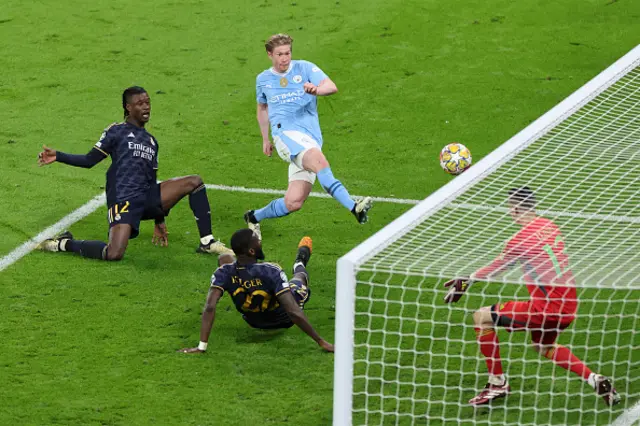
{"x": 455, "y": 158}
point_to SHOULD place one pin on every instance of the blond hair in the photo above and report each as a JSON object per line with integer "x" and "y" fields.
{"x": 278, "y": 40}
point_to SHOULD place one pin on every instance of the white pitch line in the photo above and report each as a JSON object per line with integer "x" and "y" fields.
{"x": 76, "y": 215}
{"x": 629, "y": 418}
{"x": 99, "y": 201}
{"x": 313, "y": 194}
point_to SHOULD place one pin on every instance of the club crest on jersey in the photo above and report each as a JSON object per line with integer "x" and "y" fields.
{"x": 284, "y": 82}
{"x": 297, "y": 78}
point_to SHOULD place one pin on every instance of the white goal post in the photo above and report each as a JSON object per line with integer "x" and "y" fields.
{"x": 389, "y": 287}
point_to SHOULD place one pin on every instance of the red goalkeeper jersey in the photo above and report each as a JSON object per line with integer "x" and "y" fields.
{"x": 539, "y": 248}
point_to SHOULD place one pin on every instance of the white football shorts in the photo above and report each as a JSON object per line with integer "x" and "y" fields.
{"x": 291, "y": 146}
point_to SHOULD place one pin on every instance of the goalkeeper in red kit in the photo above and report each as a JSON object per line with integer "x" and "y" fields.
{"x": 539, "y": 248}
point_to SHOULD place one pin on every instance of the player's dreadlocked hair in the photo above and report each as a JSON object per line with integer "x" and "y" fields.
{"x": 278, "y": 40}
{"x": 127, "y": 94}
{"x": 241, "y": 241}
{"x": 524, "y": 197}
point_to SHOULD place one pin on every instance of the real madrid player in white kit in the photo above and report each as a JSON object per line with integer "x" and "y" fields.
{"x": 287, "y": 101}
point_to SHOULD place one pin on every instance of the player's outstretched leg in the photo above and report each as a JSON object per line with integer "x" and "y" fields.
{"x": 118, "y": 241}
{"x": 300, "y": 281}
{"x": 315, "y": 161}
{"x": 297, "y": 192}
{"x": 173, "y": 190}
{"x": 563, "y": 357}
{"x": 305, "y": 246}
{"x": 65, "y": 242}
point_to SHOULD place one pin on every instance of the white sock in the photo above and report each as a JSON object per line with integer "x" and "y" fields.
{"x": 592, "y": 380}
{"x": 207, "y": 239}
{"x": 497, "y": 380}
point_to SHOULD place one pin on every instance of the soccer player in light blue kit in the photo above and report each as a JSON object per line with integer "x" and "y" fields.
{"x": 287, "y": 100}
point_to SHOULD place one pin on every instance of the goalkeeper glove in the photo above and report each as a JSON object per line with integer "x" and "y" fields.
{"x": 457, "y": 287}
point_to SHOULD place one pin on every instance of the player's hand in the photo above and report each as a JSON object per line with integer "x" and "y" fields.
{"x": 267, "y": 148}
{"x": 326, "y": 346}
{"x": 47, "y": 156}
{"x": 310, "y": 88}
{"x": 457, "y": 287}
{"x": 160, "y": 235}
{"x": 191, "y": 351}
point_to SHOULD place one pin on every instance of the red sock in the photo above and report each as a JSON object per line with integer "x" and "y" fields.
{"x": 563, "y": 357}
{"x": 490, "y": 348}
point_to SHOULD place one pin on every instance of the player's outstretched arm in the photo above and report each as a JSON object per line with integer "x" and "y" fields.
{"x": 208, "y": 317}
{"x": 48, "y": 156}
{"x": 263, "y": 121}
{"x": 458, "y": 286}
{"x": 300, "y": 319}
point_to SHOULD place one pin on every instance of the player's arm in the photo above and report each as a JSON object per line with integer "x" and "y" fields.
{"x": 208, "y": 317}
{"x": 499, "y": 265}
{"x": 326, "y": 87}
{"x": 88, "y": 160}
{"x": 458, "y": 286}
{"x": 319, "y": 83}
{"x": 298, "y": 317}
{"x": 263, "y": 121}
{"x": 160, "y": 231}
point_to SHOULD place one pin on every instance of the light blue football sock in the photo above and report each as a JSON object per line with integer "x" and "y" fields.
{"x": 276, "y": 208}
{"x": 335, "y": 188}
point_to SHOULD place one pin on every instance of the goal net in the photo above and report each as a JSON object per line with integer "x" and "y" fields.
{"x": 406, "y": 357}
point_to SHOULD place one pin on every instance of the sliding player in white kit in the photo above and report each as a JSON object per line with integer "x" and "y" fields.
{"x": 287, "y": 100}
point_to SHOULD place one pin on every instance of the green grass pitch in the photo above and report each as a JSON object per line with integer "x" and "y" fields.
{"x": 93, "y": 343}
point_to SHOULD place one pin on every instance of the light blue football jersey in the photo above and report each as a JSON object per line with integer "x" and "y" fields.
{"x": 290, "y": 108}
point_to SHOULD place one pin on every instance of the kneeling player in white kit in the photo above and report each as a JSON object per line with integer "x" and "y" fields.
{"x": 287, "y": 100}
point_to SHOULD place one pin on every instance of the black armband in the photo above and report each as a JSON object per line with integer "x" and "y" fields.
{"x": 86, "y": 161}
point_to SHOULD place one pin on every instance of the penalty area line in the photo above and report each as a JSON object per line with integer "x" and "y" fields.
{"x": 100, "y": 200}
{"x": 76, "y": 215}
{"x": 312, "y": 194}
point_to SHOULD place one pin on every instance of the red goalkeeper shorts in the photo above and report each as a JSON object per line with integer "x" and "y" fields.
{"x": 522, "y": 316}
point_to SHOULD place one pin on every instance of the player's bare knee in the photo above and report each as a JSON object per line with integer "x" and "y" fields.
{"x": 114, "y": 254}
{"x": 195, "y": 181}
{"x": 315, "y": 160}
{"x": 477, "y": 318}
{"x": 482, "y": 317}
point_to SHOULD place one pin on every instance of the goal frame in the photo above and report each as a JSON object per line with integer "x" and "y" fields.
{"x": 347, "y": 265}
